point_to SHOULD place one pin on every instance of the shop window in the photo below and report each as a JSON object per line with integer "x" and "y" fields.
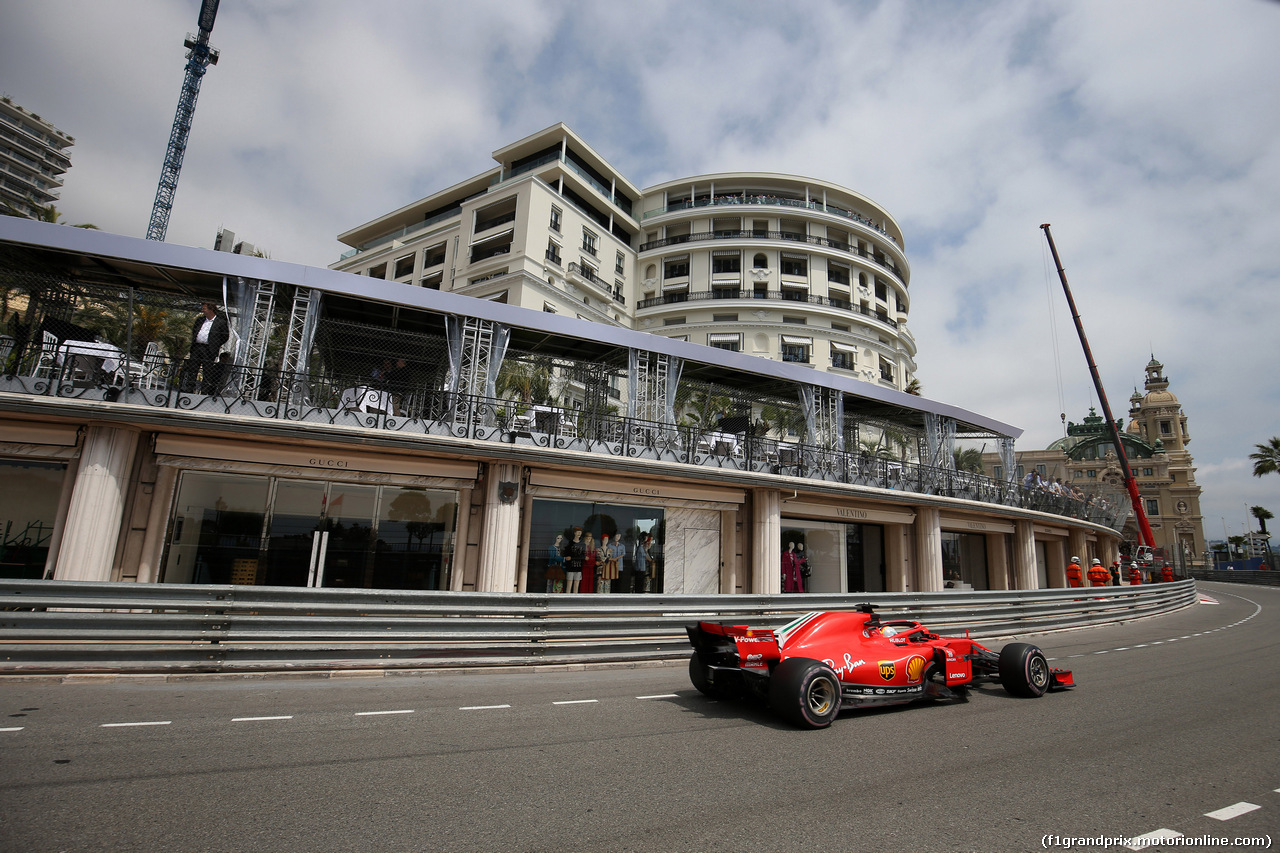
{"x": 837, "y": 557}
{"x": 568, "y": 537}
{"x": 245, "y": 529}
{"x": 28, "y": 507}
{"x": 964, "y": 560}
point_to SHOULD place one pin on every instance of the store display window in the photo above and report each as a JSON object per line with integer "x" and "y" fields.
{"x": 832, "y": 557}
{"x": 578, "y": 547}
{"x": 28, "y": 508}
{"x": 964, "y": 560}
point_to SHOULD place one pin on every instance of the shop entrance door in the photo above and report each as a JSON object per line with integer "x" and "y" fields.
{"x": 320, "y": 534}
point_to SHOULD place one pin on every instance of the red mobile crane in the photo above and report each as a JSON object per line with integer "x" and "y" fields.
{"x": 1144, "y": 527}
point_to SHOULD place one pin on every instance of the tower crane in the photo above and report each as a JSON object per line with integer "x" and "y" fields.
{"x": 199, "y": 58}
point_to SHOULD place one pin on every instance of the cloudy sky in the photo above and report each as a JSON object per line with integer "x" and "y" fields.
{"x": 1147, "y": 133}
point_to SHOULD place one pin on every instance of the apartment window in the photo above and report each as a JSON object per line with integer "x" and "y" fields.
{"x": 760, "y": 262}
{"x": 838, "y": 275}
{"x": 433, "y": 281}
{"x": 882, "y": 290}
{"x": 795, "y": 265}
{"x": 673, "y": 321}
{"x": 796, "y": 352}
{"x": 998, "y": 472}
{"x": 620, "y": 264}
{"x": 404, "y": 266}
{"x": 590, "y": 243}
{"x": 433, "y": 256}
{"x": 1040, "y": 469}
{"x": 676, "y": 268}
{"x": 548, "y": 308}
{"x": 839, "y": 327}
{"x": 799, "y": 321}
{"x": 1148, "y": 472}
{"x": 380, "y": 271}
{"x": 588, "y": 271}
{"x": 731, "y": 342}
{"x": 553, "y": 252}
{"x": 555, "y": 219}
{"x": 886, "y": 370}
{"x": 724, "y": 318}
{"x": 726, "y": 263}
{"x": 1166, "y": 428}
{"x": 1092, "y": 474}
{"x": 843, "y": 356}
{"x": 725, "y": 292}
{"x": 1153, "y": 507}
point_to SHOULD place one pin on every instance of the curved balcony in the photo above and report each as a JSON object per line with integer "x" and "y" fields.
{"x": 779, "y": 295}
{"x": 878, "y": 259}
{"x": 764, "y": 199}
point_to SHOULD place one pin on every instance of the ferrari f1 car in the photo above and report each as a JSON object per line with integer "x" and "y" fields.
{"x": 821, "y": 662}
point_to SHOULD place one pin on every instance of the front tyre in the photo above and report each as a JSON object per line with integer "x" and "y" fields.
{"x": 1024, "y": 671}
{"x": 805, "y": 692}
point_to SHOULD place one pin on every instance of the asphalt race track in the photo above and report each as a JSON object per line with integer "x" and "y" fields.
{"x": 1173, "y": 727}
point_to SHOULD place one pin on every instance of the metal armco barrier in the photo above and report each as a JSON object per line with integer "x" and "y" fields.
{"x": 1267, "y": 578}
{"x": 69, "y": 627}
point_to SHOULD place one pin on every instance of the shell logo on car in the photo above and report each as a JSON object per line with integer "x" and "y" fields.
{"x": 915, "y": 668}
{"x": 888, "y": 669}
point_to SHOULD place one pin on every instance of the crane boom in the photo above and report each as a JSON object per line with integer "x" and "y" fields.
{"x": 1130, "y": 484}
{"x": 200, "y": 57}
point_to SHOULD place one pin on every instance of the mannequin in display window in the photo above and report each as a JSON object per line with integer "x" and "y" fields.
{"x": 791, "y": 580}
{"x": 610, "y": 559}
{"x": 555, "y": 565}
{"x": 640, "y": 564}
{"x": 574, "y": 557}
{"x": 590, "y": 563}
{"x": 802, "y": 563}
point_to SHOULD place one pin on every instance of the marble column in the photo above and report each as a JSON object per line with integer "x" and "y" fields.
{"x": 928, "y": 549}
{"x": 997, "y": 561}
{"x": 1025, "y": 575}
{"x": 500, "y": 531}
{"x": 1057, "y": 562}
{"x": 896, "y": 577}
{"x": 96, "y": 514}
{"x": 766, "y": 543}
{"x": 1079, "y": 547}
{"x": 157, "y": 518}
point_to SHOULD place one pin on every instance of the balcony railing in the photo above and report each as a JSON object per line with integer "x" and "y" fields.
{"x": 406, "y": 406}
{"x": 764, "y": 199}
{"x": 721, "y": 293}
{"x": 877, "y": 258}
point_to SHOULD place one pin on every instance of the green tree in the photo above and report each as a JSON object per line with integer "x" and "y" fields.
{"x": 1267, "y": 459}
{"x": 1263, "y": 515}
{"x": 45, "y": 213}
{"x": 968, "y": 459}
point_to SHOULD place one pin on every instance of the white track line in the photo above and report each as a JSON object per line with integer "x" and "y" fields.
{"x": 12, "y": 729}
{"x": 659, "y": 696}
{"x": 482, "y": 707}
{"x": 129, "y": 725}
{"x": 380, "y": 713}
{"x": 576, "y": 702}
{"x": 258, "y": 719}
{"x": 1232, "y": 811}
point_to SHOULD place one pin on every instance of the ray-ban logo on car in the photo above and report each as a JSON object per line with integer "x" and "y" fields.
{"x": 887, "y": 670}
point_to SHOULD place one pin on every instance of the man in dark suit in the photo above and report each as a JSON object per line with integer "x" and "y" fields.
{"x": 208, "y": 333}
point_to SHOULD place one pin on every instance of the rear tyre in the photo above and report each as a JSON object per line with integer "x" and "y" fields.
{"x": 727, "y": 688}
{"x": 1024, "y": 671}
{"x": 805, "y": 692}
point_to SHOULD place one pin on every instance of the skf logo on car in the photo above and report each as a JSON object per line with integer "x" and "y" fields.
{"x": 915, "y": 668}
{"x": 888, "y": 670}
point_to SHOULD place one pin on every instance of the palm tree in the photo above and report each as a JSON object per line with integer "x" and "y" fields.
{"x": 1263, "y": 515}
{"x": 968, "y": 459}
{"x": 1267, "y": 459}
{"x": 45, "y": 213}
{"x": 913, "y": 387}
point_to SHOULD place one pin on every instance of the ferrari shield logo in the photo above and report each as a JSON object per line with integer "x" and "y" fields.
{"x": 887, "y": 670}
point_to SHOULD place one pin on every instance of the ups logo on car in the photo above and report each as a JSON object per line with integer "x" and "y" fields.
{"x": 887, "y": 670}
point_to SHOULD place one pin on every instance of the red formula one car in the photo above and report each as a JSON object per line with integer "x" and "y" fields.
{"x": 811, "y": 668}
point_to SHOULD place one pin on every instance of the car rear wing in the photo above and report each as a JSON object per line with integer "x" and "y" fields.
{"x": 718, "y": 644}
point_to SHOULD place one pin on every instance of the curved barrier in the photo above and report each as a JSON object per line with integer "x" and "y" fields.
{"x": 1254, "y": 577}
{"x": 69, "y": 627}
